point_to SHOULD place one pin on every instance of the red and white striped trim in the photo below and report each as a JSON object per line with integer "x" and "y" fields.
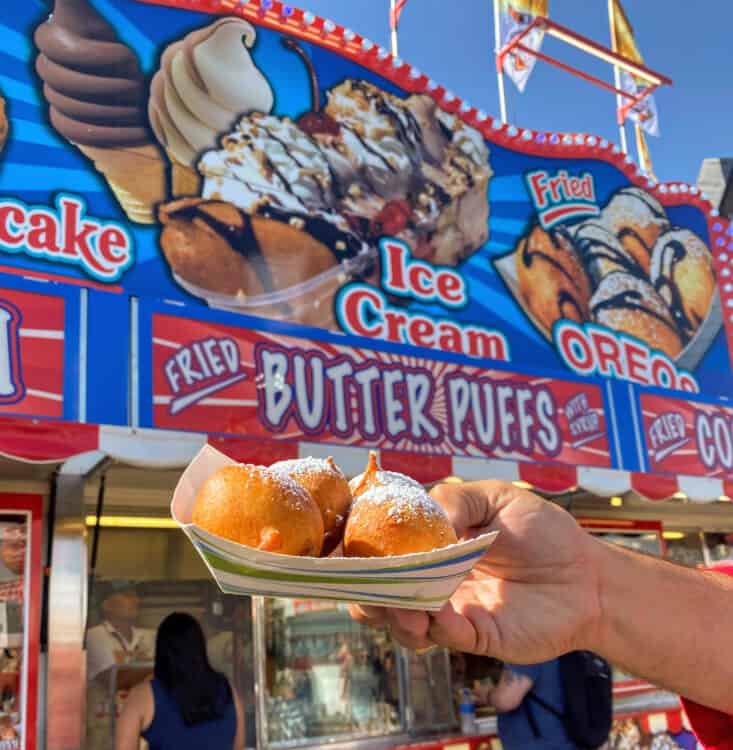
{"x": 672, "y": 721}
{"x": 41, "y": 441}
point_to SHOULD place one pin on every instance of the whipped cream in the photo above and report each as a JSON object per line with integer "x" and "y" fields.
{"x": 268, "y": 160}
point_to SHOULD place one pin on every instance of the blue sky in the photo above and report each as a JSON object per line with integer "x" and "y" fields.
{"x": 692, "y": 48}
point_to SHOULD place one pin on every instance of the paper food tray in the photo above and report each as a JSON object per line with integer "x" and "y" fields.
{"x": 422, "y": 581}
{"x": 688, "y": 358}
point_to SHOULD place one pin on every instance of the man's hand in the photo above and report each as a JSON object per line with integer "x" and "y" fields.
{"x": 534, "y": 596}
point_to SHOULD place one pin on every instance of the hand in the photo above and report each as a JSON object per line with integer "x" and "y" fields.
{"x": 534, "y": 596}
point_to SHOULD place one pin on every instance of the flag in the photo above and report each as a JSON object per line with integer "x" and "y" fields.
{"x": 395, "y": 13}
{"x": 514, "y": 18}
{"x": 623, "y": 43}
{"x": 642, "y": 149}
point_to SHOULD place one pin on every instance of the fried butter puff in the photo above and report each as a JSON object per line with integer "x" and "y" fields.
{"x": 260, "y": 508}
{"x": 328, "y": 487}
{"x": 552, "y": 280}
{"x": 393, "y": 515}
{"x": 218, "y": 247}
{"x": 682, "y": 273}
{"x": 628, "y": 304}
{"x": 637, "y": 219}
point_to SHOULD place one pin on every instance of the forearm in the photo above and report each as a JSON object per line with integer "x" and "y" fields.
{"x": 667, "y": 624}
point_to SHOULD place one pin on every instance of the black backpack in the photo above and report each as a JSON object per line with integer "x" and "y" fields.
{"x": 588, "y": 690}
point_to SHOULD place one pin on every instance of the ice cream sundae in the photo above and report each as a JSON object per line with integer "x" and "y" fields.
{"x": 205, "y": 82}
{"x": 366, "y": 165}
{"x": 96, "y": 95}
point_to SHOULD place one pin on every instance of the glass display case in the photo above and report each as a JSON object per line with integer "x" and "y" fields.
{"x": 428, "y": 675}
{"x": 324, "y": 677}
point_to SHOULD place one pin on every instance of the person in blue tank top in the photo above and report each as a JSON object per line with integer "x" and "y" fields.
{"x": 187, "y": 705}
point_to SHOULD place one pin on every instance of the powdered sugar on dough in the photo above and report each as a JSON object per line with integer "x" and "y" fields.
{"x": 296, "y": 495}
{"x": 301, "y": 467}
{"x": 633, "y": 205}
{"x": 407, "y": 500}
{"x": 386, "y": 477}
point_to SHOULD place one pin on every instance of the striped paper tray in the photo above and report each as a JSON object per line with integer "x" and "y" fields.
{"x": 422, "y": 581}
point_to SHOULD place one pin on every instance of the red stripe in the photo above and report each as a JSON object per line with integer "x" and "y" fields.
{"x": 425, "y": 469}
{"x": 569, "y": 209}
{"x": 553, "y": 478}
{"x": 46, "y": 441}
{"x": 654, "y": 486}
{"x": 262, "y": 452}
{"x": 728, "y": 488}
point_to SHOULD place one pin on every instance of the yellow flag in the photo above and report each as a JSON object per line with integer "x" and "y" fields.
{"x": 622, "y": 34}
{"x": 645, "y": 161}
{"x": 530, "y": 7}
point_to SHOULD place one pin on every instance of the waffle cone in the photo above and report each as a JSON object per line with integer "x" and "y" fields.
{"x": 136, "y": 176}
{"x": 185, "y": 181}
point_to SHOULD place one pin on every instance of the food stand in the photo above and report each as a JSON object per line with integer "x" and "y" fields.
{"x": 263, "y": 232}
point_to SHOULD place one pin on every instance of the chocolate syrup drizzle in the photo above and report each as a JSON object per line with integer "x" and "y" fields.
{"x": 673, "y": 253}
{"x": 631, "y": 299}
{"x": 564, "y": 297}
{"x": 594, "y": 250}
{"x": 653, "y": 210}
{"x": 243, "y": 240}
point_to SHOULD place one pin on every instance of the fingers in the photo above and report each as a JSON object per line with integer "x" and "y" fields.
{"x": 408, "y": 627}
{"x": 473, "y": 505}
{"x": 452, "y": 630}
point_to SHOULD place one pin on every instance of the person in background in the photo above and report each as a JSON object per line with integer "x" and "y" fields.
{"x": 13, "y": 546}
{"x": 363, "y": 690}
{"x": 547, "y": 588}
{"x": 523, "y": 723}
{"x": 115, "y": 642}
{"x": 231, "y": 652}
{"x": 12, "y": 553}
{"x": 187, "y": 705}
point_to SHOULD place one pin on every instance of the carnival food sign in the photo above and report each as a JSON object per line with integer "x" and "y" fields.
{"x": 688, "y": 437}
{"x": 222, "y": 379}
{"x": 267, "y": 163}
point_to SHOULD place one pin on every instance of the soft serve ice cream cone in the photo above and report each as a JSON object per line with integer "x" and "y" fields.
{"x": 96, "y": 95}
{"x": 205, "y": 82}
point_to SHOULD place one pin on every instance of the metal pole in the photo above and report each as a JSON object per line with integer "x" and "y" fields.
{"x": 639, "y": 150}
{"x": 617, "y": 76}
{"x": 393, "y": 28}
{"x": 499, "y": 71}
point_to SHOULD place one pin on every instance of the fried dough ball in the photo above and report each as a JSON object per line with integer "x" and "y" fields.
{"x": 328, "y": 487}
{"x": 393, "y": 515}
{"x": 260, "y": 508}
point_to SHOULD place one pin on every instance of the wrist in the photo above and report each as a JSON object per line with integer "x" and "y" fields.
{"x": 602, "y": 563}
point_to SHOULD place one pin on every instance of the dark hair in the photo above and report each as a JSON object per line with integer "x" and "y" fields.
{"x": 182, "y": 667}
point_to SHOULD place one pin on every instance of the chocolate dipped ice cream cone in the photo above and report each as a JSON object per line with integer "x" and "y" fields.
{"x": 96, "y": 96}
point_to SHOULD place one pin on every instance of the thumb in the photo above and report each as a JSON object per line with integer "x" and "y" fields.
{"x": 472, "y": 507}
